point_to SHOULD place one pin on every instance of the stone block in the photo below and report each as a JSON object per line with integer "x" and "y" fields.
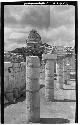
{"x": 49, "y": 56}
{"x": 49, "y": 94}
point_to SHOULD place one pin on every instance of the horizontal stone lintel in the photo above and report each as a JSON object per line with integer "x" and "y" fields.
{"x": 49, "y": 56}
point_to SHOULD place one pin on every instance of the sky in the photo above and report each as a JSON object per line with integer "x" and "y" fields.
{"x": 54, "y": 23}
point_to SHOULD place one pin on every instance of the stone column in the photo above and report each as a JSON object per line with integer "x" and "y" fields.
{"x": 57, "y": 73}
{"x": 49, "y": 76}
{"x": 55, "y": 67}
{"x": 68, "y": 72}
{"x": 60, "y": 74}
{"x": 64, "y": 72}
{"x": 32, "y": 88}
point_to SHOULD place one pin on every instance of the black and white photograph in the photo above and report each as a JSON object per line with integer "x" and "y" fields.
{"x": 40, "y": 62}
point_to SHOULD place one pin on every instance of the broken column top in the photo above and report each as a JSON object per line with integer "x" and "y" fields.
{"x": 33, "y": 61}
{"x": 49, "y": 56}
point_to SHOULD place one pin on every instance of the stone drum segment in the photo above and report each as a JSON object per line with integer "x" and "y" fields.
{"x": 32, "y": 88}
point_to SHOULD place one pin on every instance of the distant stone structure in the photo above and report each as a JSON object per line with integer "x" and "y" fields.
{"x": 34, "y": 39}
{"x": 34, "y": 44}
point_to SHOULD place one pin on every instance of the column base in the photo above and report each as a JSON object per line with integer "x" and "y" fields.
{"x": 33, "y": 116}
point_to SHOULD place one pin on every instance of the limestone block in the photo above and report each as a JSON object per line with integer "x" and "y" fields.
{"x": 49, "y": 56}
{"x": 6, "y": 82}
{"x": 33, "y": 100}
{"x": 15, "y": 93}
{"x": 49, "y": 79}
{"x": 49, "y": 73}
{"x": 60, "y": 72}
{"x": 33, "y": 115}
{"x": 33, "y": 61}
{"x": 8, "y": 77}
{"x": 16, "y": 78}
{"x": 49, "y": 82}
{"x": 49, "y": 94}
{"x": 49, "y": 65}
{"x": 32, "y": 72}
{"x": 32, "y": 84}
{"x": 9, "y": 96}
{"x": 9, "y": 87}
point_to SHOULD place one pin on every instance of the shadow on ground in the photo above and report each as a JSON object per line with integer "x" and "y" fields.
{"x": 53, "y": 121}
{"x": 64, "y": 100}
{"x": 20, "y": 99}
{"x": 68, "y": 89}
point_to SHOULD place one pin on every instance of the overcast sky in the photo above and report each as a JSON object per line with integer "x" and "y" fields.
{"x": 55, "y": 24}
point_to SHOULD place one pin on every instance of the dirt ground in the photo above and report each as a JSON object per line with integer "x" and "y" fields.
{"x": 62, "y": 110}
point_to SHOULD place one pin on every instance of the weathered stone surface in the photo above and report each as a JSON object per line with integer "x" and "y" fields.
{"x": 49, "y": 94}
{"x": 32, "y": 89}
{"x": 33, "y": 115}
{"x": 49, "y": 80}
{"x": 9, "y": 96}
{"x": 33, "y": 84}
{"x": 49, "y": 56}
{"x": 16, "y": 78}
{"x": 49, "y": 83}
{"x": 60, "y": 74}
